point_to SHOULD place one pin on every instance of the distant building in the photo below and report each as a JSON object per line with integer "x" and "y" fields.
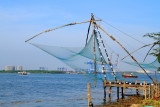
{"x": 62, "y": 69}
{"x": 19, "y": 68}
{"x": 43, "y": 68}
{"x": 9, "y": 68}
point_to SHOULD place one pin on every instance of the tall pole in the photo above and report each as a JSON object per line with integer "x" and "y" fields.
{"x": 94, "y": 48}
{"x": 90, "y": 104}
{"x": 125, "y": 51}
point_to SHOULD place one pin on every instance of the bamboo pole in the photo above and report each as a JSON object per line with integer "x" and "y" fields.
{"x": 70, "y": 24}
{"x": 152, "y": 91}
{"x": 156, "y": 93}
{"x": 144, "y": 90}
{"x": 158, "y": 89}
{"x": 122, "y": 91}
{"x": 124, "y": 50}
{"x": 149, "y": 88}
{"x": 137, "y": 91}
{"x": 136, "y": 50}
{"x": 117, "y": 92}
{"x": 89, "y": 95}
{"x": 104, "y": 87}
{"x": 109, "y": 93}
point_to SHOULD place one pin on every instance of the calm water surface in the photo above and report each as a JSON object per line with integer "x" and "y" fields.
{"x": 49, "y": 90}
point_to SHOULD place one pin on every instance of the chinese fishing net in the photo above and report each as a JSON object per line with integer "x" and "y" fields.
{"x": 82, "y": 59}
{"x": 155, "y": 65}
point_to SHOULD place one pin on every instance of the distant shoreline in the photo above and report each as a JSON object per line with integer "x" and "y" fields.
{"x": 35, "y": 71}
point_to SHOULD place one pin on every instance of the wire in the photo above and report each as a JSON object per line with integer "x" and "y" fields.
{"x": 123, "y": 32}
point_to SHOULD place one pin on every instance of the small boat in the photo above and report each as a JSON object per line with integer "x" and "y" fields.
{"x": 129, "y": 75}
{"x": 22, "y": 73}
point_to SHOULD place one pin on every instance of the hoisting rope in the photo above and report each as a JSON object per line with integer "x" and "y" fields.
{"x": 101, "y": 56}
{"x": 125, "y": 51}
{"x": 122, "y": 32}
{"x": 88, "y": 31}
{"x": 136, "y": 50}
{"x": 109, "y": 61}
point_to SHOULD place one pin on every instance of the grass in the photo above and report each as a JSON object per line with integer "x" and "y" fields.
{"x": 154, "y": 103}
{"x": 132, "y": 101}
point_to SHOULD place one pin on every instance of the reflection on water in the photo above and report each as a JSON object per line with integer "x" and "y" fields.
{"x": 48, "y": 90}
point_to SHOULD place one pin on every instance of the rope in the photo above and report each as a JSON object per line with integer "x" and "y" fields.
{"x": 109, "y": 61}
{"x": 123, "y": 32}
{"x": 149, "y": 51}
{"x": 101, "y": 56}
{"x": 136, "y": 50}
{"x": 125, "y": 51}
{"x": 88, "y": 31}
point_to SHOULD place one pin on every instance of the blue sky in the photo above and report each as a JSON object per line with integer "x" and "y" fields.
{"x": 22, "y": 19}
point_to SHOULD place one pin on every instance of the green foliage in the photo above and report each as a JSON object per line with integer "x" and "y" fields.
{"x": 3, "y": 71}
{"x": 45, "y": 71}
{"x": 156, "y": 44}
{"x": 154, "y": 103}
{"x": 158, "y": 58}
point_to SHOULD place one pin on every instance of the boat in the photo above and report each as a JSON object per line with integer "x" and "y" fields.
{"x": 22, "y": 73}
{"x": 129, "y": 75}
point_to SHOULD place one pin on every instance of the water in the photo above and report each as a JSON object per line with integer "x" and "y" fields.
{"x": 49, "y": 90}
{"x": 44, "y": 90}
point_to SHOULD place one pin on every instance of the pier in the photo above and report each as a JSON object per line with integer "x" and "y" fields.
{"x": 148, "y": 90}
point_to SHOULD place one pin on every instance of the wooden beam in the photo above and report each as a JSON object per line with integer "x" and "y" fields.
{"x": 124, "y": 50}
{"x": 70, "y": 24}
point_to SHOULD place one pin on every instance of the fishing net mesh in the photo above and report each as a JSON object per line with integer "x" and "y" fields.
{"x": 81, "y": 59}
{"x": 150, "y": 66}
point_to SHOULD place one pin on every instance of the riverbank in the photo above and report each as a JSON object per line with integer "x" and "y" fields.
{"x": 132, "y": 101}
{"x": 35, "y": 71}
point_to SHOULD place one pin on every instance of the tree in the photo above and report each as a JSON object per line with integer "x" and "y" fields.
{"x": 155, "y": 45}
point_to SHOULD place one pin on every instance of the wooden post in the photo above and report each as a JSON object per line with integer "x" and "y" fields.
{"x": 152, "y": 91}
{"x": 124, "y": 86}
{"x": 109, "y": 93}
{"x": 104, "y": 86}
{"x": 156, "y": 93}
{"x": 89, "y": 95}
{"x": 155, "y": 87}
{"x": 137, "y": 91}
{"x": 144, "y": 90}
{"x": 149, "y": 88}
{"x": 158, "y": 90}
{"x": 122, "y": 91}
{"x": 117, "y": 92}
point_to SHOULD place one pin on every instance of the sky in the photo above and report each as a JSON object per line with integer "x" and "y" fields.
{"x": 22, "y": 19}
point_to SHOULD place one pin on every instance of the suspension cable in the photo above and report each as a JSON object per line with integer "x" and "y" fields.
{"x": 123, "y": 32}
{"x": 109, "y": 61}
{"x": 125, "y": 51}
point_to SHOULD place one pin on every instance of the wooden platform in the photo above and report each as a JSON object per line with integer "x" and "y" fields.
{"x": 149, "y": 90}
